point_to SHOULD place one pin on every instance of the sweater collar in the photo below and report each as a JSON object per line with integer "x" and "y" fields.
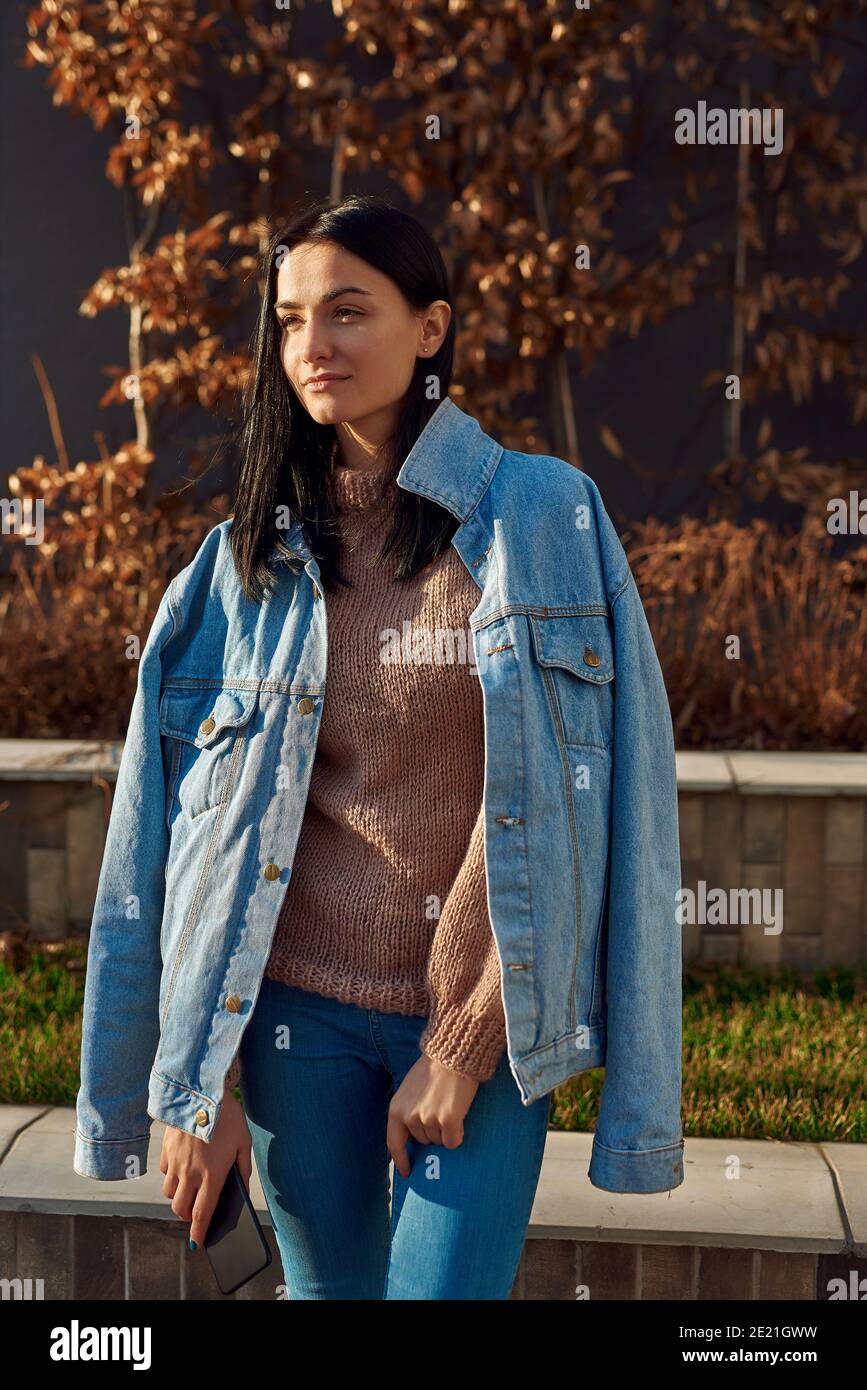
{"x": 358, "y": 489}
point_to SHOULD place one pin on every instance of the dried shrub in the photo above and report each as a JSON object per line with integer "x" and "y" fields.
{"x": 71, "y": 607}
{"x": 800, "y": 618}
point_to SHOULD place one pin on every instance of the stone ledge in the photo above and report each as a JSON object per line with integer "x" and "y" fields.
{"x": 797, "y": 1197}
{"x": 59, "y": 759}
{"x": 773, "y": 774}
{"x": 749, "y": 773}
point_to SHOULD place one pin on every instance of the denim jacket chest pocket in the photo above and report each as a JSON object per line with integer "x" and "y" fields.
{"x": 202, "y": 732}
{"x": 576, "y": 655}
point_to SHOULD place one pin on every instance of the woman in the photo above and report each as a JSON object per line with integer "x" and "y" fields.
{"x": 412, "y": 906}
{"x": 393, "y": 826}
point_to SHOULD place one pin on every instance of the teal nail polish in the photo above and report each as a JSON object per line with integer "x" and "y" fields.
{"x": 193, "y": 1245}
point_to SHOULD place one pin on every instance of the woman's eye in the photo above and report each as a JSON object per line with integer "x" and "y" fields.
{"x": 344, "y": 309}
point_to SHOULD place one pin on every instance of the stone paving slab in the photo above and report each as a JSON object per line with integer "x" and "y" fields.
{"x": 783, "y": 1200}
{"x": 59, "y": 759}
{"x": 794, "y": 774}
{"x": 804, "y": 1197}
{"x": 13, "y": 1119}
{"x": 703, "y": 772}
{"x": 849, "y": 1162}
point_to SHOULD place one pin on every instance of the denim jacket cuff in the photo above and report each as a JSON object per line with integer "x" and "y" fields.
{"x": 111, "y": 1160}
{"x": 636, "y": 1170}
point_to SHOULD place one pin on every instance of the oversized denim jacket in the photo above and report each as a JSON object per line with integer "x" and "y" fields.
{"x": 580, "y": 802}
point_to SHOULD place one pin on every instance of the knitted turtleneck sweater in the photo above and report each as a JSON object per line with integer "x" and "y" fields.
{"x": 386, "y": 906}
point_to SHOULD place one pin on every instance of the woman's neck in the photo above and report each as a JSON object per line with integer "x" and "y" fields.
{"x": 362, "y": 444}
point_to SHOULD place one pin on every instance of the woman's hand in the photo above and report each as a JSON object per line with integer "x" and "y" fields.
{"x": 430, "y": 1104}
{"x": 195, "y": 1171}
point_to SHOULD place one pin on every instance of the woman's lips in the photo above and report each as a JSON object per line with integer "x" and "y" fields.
{"x": 326, "y": 385}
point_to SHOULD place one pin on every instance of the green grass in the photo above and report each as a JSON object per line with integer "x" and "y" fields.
{"x": 778, "y": 1057}
{"x": 41, "y": 997}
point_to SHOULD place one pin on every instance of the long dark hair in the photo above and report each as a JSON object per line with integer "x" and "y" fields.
{"x": 285, "y": 454}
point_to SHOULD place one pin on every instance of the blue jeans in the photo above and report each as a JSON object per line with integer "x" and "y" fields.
{"x": 317, "y": 1111}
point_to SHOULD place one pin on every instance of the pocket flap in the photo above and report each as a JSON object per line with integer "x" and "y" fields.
{"x": 579, "y": 642}
{"x": 201, "y": 716}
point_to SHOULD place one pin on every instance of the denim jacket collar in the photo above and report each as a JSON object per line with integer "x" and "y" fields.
{"x": 452, "y": 462}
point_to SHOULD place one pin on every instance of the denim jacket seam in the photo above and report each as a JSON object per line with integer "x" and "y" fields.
{"x": 173, "y": 614}
{"x": 564, "y": 1037}
{"x": 628, "y": 1153}
{"x": 187, "y": 1090}
{"x": 110, "y": 1143}
{"x": 623, "y": 587}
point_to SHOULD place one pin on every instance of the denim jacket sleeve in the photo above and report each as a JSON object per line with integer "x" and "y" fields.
{"x": 638, "y": 1144}
{"x": 120, "y": 1028}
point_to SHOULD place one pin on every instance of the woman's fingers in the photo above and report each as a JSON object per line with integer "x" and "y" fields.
{"x": 396, "y": 1136}
{"x": 184, "y": 1199}
{"x": 428, "y": 1132}
{"x": 203, "y": 1207}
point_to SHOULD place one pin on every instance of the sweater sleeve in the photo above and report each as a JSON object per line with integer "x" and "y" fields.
{"x": 466, "y": 1027}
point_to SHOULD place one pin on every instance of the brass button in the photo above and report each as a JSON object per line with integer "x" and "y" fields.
{"x": 316, "y": 593}
{"x": 201, "y": 1117}
{"x": 591, "y": 657}
{"x": 207, "y": 725}
{"x": 305, "y": 706}
{"x": 271, "y": 871}
{"x": 233, "y": 1004}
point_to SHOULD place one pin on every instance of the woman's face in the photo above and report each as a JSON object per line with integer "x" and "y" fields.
{"x": 341, "y": 318}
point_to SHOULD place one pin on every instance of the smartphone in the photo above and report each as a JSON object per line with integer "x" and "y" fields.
{"x": 235, "y": 1242}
